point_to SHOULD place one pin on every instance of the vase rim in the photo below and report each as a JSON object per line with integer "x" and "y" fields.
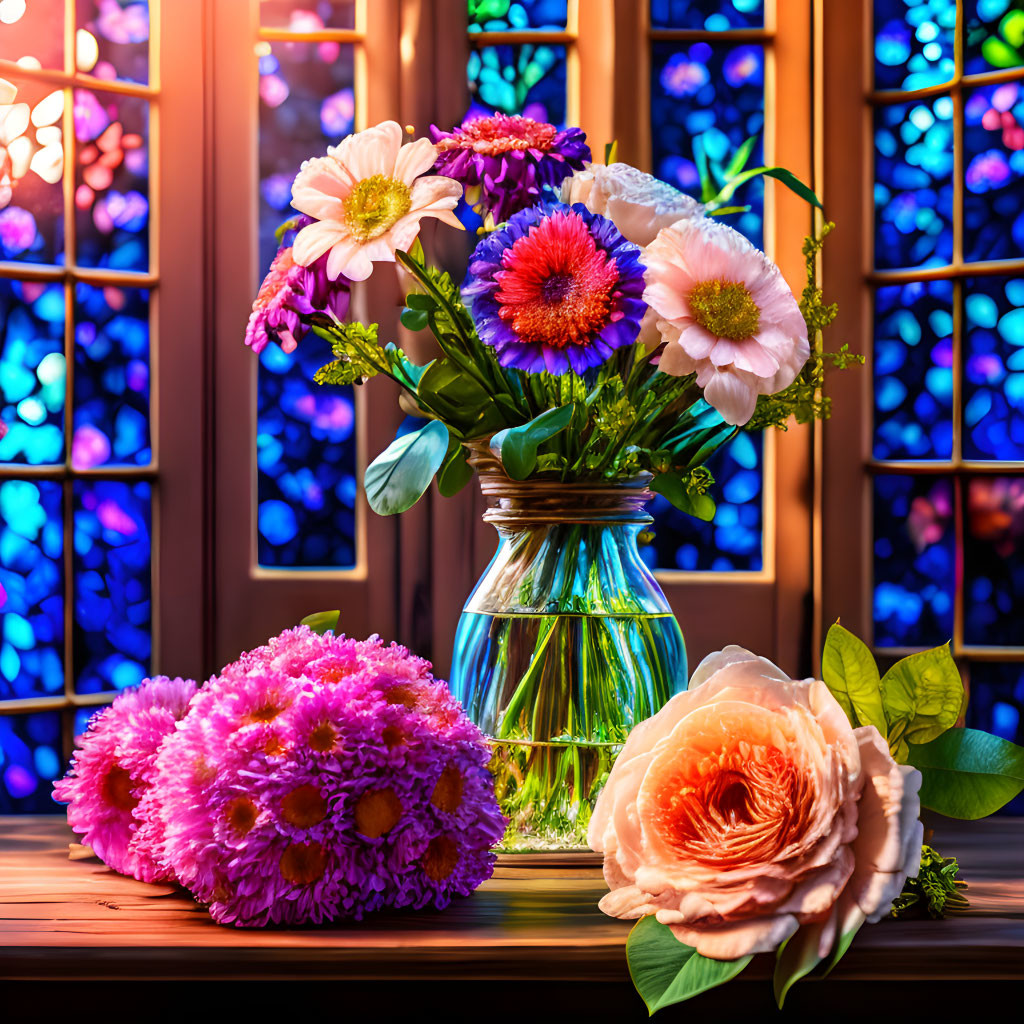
{"x": 548, "y": 500}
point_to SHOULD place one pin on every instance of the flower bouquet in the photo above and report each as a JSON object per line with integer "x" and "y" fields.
{"x": 609, "y": 335}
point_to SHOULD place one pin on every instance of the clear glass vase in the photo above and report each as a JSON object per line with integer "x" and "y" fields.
{"x": 565, "y": 643}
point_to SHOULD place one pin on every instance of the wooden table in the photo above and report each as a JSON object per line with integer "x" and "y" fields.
{"x": 530, "y": 945}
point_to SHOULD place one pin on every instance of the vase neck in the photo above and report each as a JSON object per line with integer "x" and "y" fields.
{"x": 541, "y": 502}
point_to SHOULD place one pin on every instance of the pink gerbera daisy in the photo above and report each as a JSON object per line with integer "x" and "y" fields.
{"x": 113, "y": 769}
{"x": 367, "y": 198}
{"x": 726, "y": 314}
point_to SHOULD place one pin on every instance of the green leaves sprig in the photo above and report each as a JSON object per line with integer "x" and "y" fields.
{"x": 966, "y": 773}
{"x": 935, "y": 892}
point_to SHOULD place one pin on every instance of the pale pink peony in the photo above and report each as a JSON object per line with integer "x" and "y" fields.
{"x": 367, "y": 198}
{"x": 637, "y": 203}
{"x": 726, "y": 314}
{"x": 749, "y": 808}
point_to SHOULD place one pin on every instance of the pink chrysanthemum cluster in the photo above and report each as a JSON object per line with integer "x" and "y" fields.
{"x": 320, "y": 777}
{"x": 112, "y": 772}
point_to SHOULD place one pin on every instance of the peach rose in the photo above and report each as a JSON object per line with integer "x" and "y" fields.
{"x": 749, "y": 806}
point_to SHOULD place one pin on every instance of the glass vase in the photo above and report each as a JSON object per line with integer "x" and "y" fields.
{"x": 566, "y": 642}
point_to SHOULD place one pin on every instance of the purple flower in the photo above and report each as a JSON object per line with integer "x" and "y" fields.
{"x": 511, "y": 158}
{"x": 291, "y": 796}
{"x": 288, "y": 293}
{"x": 557, "y": 288}
{"x": 113, "y": 770}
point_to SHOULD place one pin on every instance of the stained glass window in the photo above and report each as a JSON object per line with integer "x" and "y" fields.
{"x": 76, "y": 496}
{"x": 306, "y": 436}
{"x": 949, "y": 343}
{"x": 707, "y": 94}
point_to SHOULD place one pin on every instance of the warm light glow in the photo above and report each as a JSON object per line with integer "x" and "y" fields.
{"x": 8, "y": 92}
{"x": 87, "y": 50}
{"x": 48, "y": 163}
{"x": 30, "y": 63}
{"x": 49, "y": 136}
{"x": 11, "y": 11}
{"x": 20, "y": 152}
{"x": 262, "y": 48}
{"x": 49, "y": 109}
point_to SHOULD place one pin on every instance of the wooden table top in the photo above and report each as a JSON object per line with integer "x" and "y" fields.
{"x": 77, "y": 920}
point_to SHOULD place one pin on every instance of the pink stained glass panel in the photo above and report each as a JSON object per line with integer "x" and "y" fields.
{"x": 112, "y": 180}
{"x": 32, "y": 158}
{"x": 112, "y": 39}
{"x": 307, "y": 15}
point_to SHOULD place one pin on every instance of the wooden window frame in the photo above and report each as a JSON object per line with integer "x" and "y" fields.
{"x": 175, "y": 285}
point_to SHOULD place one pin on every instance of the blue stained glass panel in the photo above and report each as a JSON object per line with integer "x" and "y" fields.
{"x": 505, "y": 16}
{"x": 732, "y": 542}
{"x": 111, "y": 180}
{"x": 117, "y": 42}
{"x": 32, "y": 158}
{"x": 306, "y": 454}
{"x": 32, "y": 371}
{"x": 111, "y": 417}
{"x": 914, "y": 43}
{"x": 31, "y": 589}
{"x": 711, "y": 96}
{"x": 913, "y": 183}
{"x": 113, "y": 588}
{"x": 30, "y": 760}
{"x": 306, "y": 441}
{"x": 994, "y": 172}
{"x": 994, "y": 368}
{"x": 997, "y": 705}
{"x": 715, "y": 16}
{"x": 993, "y": 35}
{"x": 914, "y": 560}
{"x": 913, "y": 371}
{"x": 527, "y": 79}
{"x": 994, "y": 561}
{"x": 307, "y": 103}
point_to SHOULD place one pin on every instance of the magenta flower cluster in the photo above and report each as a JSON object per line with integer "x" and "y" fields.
{"x": 314, "y": 779}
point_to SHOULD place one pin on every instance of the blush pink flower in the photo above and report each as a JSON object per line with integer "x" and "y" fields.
{"x": 749, "y": 808}
{"x": 367, "y": 198}
{"x": 726, "y": 314}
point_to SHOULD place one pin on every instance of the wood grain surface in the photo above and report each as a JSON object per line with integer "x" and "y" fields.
{"x": 535, "y": 921}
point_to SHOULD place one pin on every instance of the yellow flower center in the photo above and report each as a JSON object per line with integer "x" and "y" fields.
{"x": 725, "y": 309}
{"x": 375, "y": 204}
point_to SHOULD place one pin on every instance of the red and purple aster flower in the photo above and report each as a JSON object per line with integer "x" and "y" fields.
{"x": 288, "y": 293}
{"x": 318, "y": 778}
{"x": 511, "y": 158}
{"x": 112, "y": 772}
{"x": 557, "y": 288}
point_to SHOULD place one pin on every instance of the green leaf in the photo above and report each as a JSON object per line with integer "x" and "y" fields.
{"x": 722, "y": 211}
{"x": 517, "y": 446}
{"x": 322, "y": 622}
{"x": 611, "y": 152}
{"x": 420, "y": 300}
{"x": 788, "y": 178}
{"x": 923, "y": 696}
{"x": 795, "y": 958}
{"x": 967, "y": 773}
{"x": 707, "y": 184}
{"x": 397, "y": 478}
{"x": 740, "y": 157}
{"x": 458, "y": 399}
{"x": 849, "y": 670}
{"x": 455, "y": 473}
{"x": 407, "y": 372}
{"x": 666, "y": 971}
{"x": 673, "y": 487}
{"x": 415, "y": 319}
